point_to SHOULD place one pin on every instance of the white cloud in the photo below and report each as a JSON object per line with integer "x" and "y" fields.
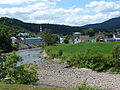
{"x": 14, "y": 2}
{"x": 45, "y": 11}
{"x": 103, "y": 6}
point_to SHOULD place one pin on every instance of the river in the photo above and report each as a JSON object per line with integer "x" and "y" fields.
{"x": 30, "y": 55}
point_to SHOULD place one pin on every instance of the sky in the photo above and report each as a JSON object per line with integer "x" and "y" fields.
{"x": 67, "y": 12}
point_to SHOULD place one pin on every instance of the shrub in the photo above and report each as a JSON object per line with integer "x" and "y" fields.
{"x": 97, "y": 62}
{"x": 89, "y": 59}
{"x": 15, "y": 46}
{"x": 116, "y": 56}
{"x": 60, "y": 52}
{"x": 19, "y": 74}
{"x": 85, "y": 87}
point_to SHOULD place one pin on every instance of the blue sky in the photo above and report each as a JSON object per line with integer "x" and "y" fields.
{"x": 68, "y": 12}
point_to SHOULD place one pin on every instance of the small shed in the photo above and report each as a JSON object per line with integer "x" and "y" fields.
{"x": 14, "y": 39}
{"x": 76, "y": 41}
{"x": 62, "y": 40}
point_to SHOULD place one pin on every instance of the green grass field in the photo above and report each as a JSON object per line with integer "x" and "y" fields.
{"x": 71, "y": 49}
{"x": 25, "y": 87}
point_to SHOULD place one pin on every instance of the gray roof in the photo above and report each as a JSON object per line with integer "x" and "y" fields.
{"x": 84, "y": 37}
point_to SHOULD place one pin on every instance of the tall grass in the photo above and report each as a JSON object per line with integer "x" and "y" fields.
{"x": 72, "y": 49}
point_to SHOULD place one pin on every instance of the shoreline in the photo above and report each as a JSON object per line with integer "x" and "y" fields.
{"x": 18, "y": 51}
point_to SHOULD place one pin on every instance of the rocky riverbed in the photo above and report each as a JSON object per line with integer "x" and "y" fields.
{"x": 51, "y": 73}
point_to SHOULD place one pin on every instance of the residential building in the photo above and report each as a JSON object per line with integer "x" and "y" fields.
{"x": 14, "y": 39}
{"x": 62, "y": 40}
{"x": 100, "y": 37}
{"x": 84, "y": 38}
{"x": 113, "y": 37}
{"x": 76, "y": 41}
{"x": 34, "y": 41}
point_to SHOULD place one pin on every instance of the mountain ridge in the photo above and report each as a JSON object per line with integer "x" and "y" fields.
{"x": 109, "y": 25}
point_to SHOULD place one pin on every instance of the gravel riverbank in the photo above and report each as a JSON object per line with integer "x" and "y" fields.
{"x": 51, "y": 73}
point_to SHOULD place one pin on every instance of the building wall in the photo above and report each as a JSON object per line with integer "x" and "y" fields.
{"x": 34, "y": 41}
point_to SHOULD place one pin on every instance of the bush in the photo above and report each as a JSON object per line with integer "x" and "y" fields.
{"x": 89, "y": 59}
{"x": 19, "y": 74}
{"x": 116, "y": 56}
{"x": 85, "y": 87}
{"x": 60, "y": 52}
{"x": 15, "y": 46}
{"x": 97, "y": 62}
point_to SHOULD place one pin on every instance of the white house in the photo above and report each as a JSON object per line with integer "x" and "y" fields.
{"x": 113, "y": 37}
{"x": 14, "y": 39}
{"x": 77, "y": 33}
{"x": 62, "y": 40}
{"x": 76, "y": 41}
{"x": 23, "y": 34}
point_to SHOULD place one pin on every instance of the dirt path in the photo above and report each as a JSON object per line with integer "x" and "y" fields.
{"x": 51, "y": 73}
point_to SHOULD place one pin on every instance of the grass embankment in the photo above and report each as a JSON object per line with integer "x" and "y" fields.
{"x": 98, "y": 56}
{"x": 72, "y": 49}
{"x": 25, "y": 87}
{"x": 30, "y": 87}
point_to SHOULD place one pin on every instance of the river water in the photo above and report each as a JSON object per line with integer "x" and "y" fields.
{"x": 30, "y": 56}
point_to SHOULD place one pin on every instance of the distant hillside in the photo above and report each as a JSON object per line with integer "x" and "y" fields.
{"x": 111, "y": 24}
{"x": 55, "y": 28}
{"x": 13, "y": 30}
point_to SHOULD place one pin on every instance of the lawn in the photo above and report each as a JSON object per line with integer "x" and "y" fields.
{"x": 71, "y": 49}
{"x": 25, "y": 87}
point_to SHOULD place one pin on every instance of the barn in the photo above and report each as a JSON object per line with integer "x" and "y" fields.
{"x": 34, "y": 41}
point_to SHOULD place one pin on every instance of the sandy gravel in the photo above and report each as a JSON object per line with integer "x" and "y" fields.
{"x": 51, "y": 73}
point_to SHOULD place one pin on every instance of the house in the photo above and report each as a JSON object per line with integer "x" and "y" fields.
{"x": 109, "y": 38}
{"x": 113, "y": 37}
{"x": 84, "y": 38}
{"x": 14, "y": 39}
{"x": 20, "y": 40}
{"x": 100, "y": 37}
{"x": 76, "y": 41}
{"x": 77, "y": 33}
{"x": 93, "y": 41}
{"x": 62, "y": 40}
{"x": 34, "y": 41}
{"x": 23, "y": 34}
{"x": 117, "y": 37}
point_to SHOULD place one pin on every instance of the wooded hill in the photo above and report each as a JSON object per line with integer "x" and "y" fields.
{"x": 111, "y": 24}
{"x": 16, "y": 24}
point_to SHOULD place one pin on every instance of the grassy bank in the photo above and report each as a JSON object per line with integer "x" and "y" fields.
{"x": 98, "y": 56}
{"x": 72, "y": 49}
{"x": 30, "y": 87}
{"x": 25, "y": 87}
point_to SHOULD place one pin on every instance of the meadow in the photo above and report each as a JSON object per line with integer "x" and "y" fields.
{"x": 72, "y": 49}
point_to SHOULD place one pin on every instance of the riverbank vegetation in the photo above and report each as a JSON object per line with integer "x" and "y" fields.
{"x": 31, "y": 87}
{"x": 96, "y": 56}
{"x": 13, "y": 72}
{"x": 25, "y": 87}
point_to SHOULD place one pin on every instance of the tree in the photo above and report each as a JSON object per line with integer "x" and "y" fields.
{"x": 89, "y": 32}
{"x": 48, "y": 37}
{"x": 2, "y": 67}
{"x": 19, "y": 74}
{"x": 5, "y": 41}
